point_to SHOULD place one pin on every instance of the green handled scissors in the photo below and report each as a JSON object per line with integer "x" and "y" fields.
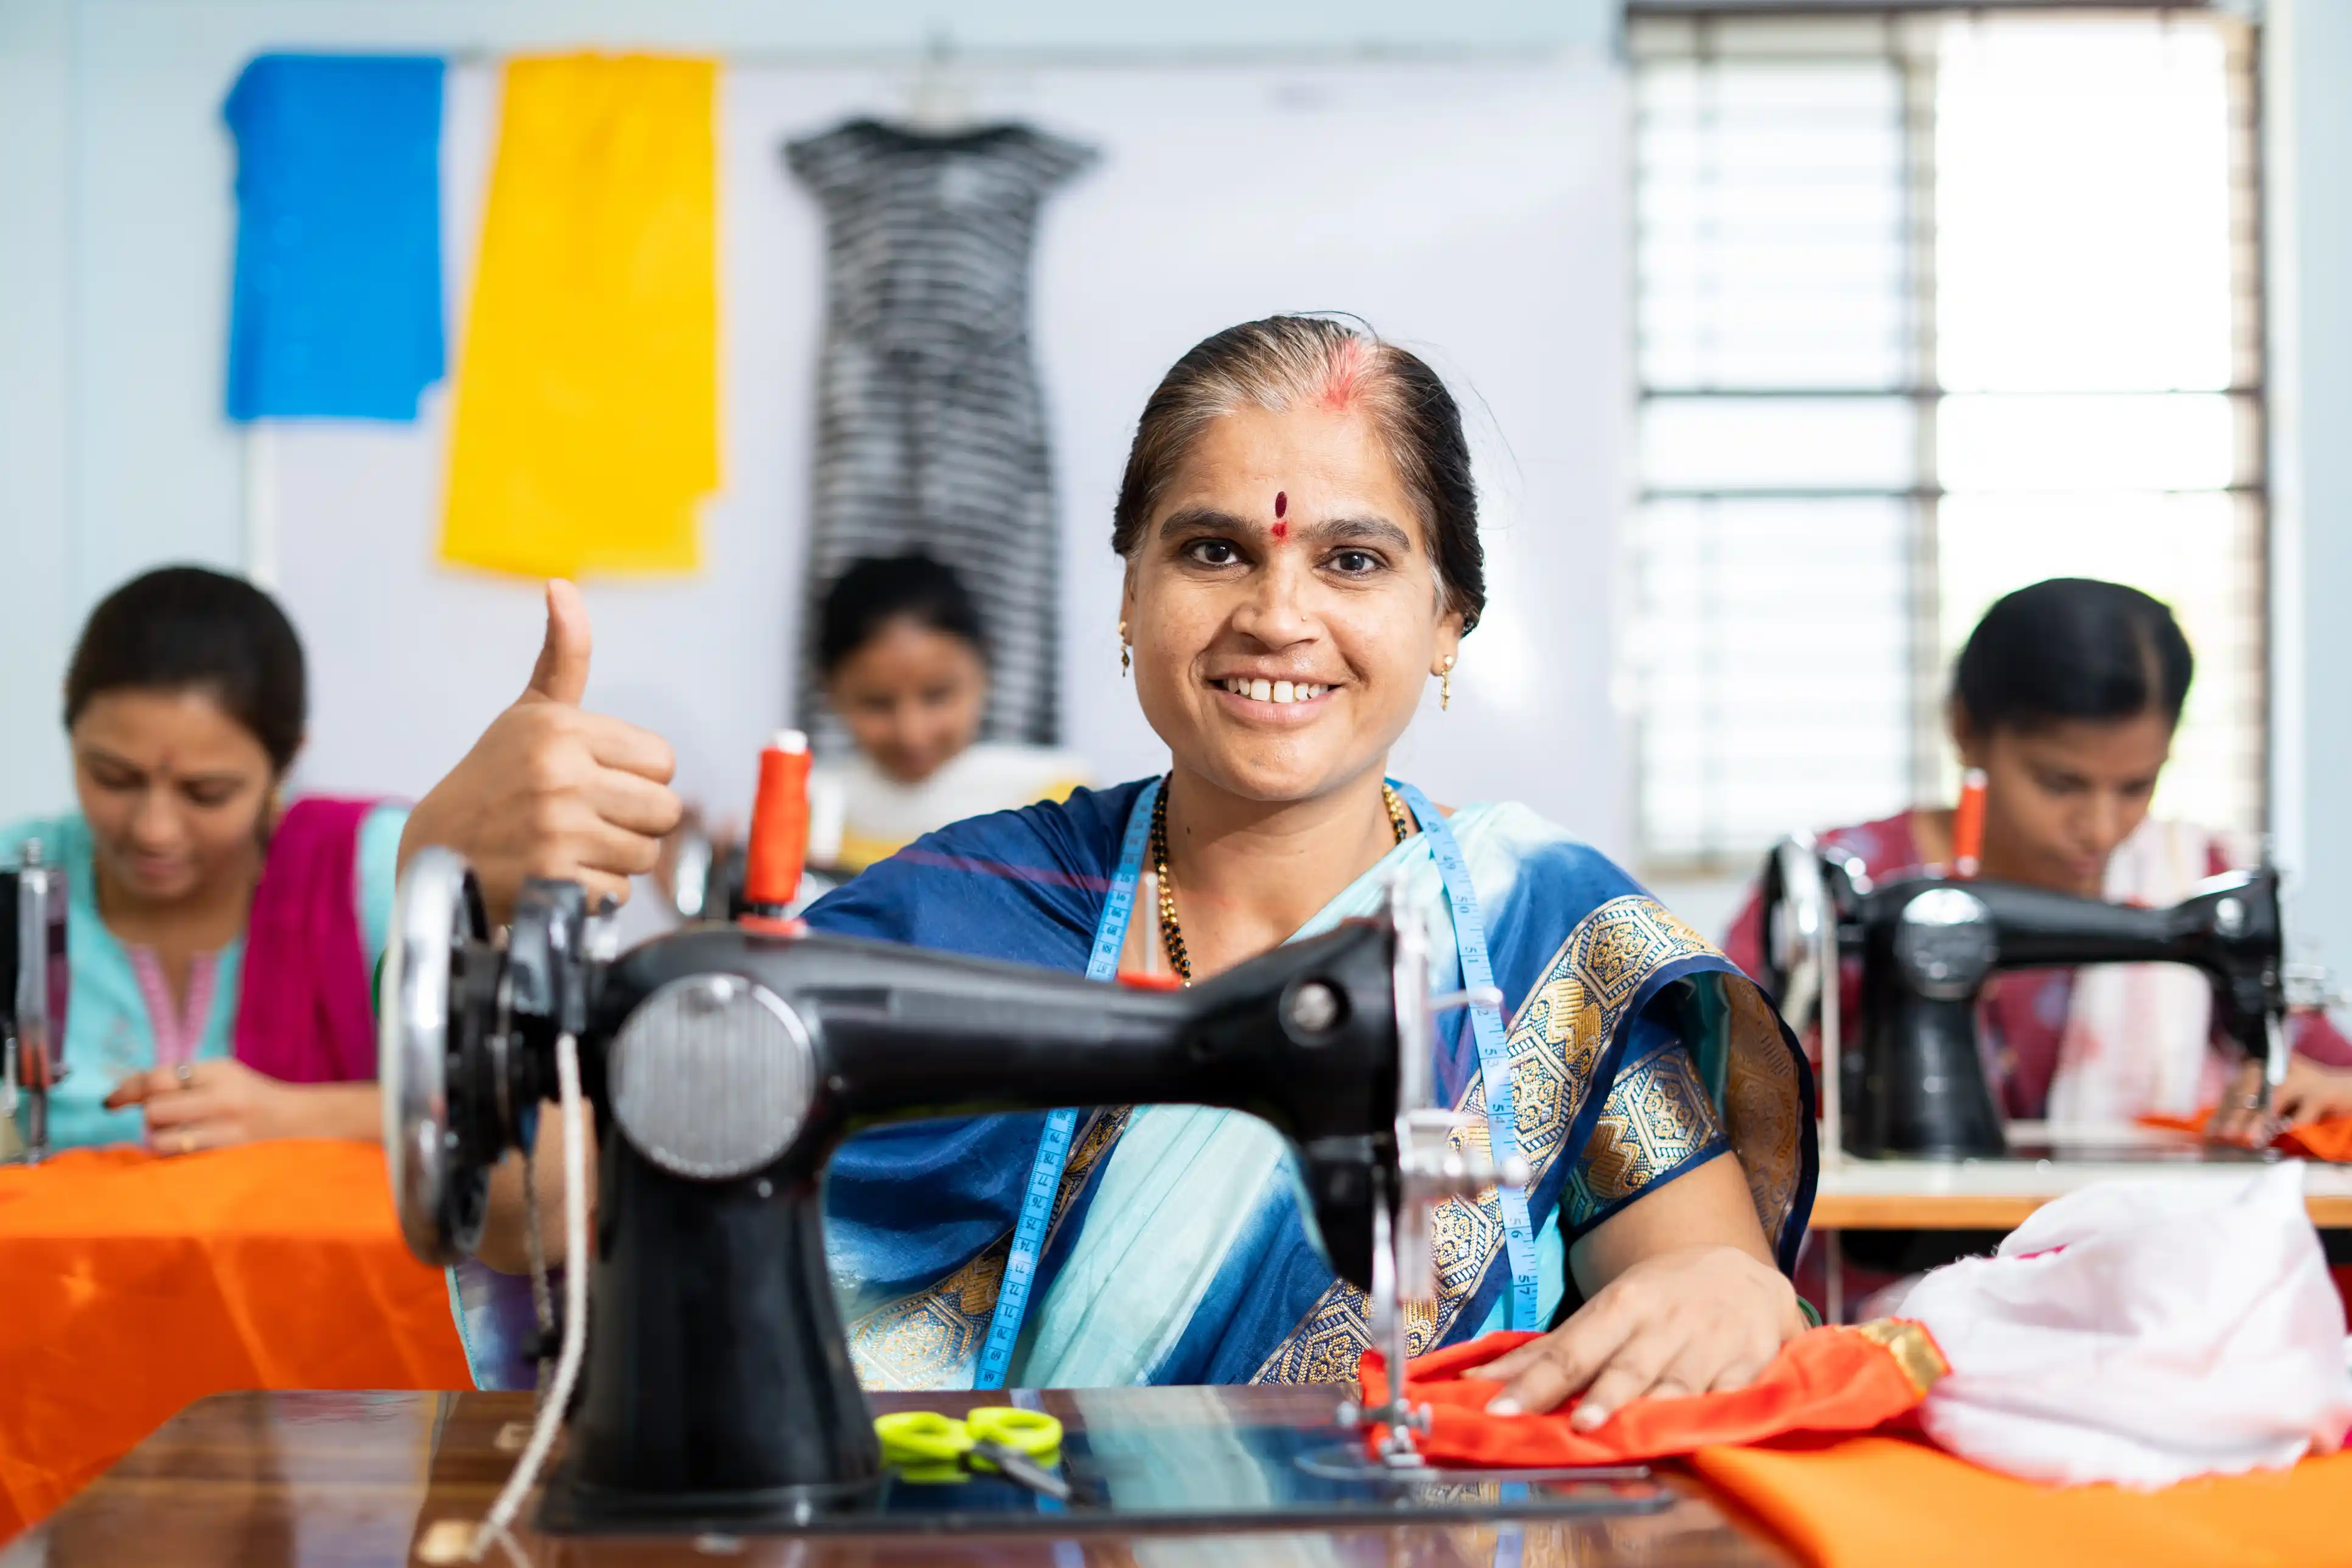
{"x": 927, "y": 1447}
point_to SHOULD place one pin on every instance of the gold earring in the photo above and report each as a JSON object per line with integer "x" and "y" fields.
{"x": 1446, "y": 684}
{"x": 1124, "y": 660}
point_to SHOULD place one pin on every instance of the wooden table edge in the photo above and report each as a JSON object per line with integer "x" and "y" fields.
{"x": 1985, "y": 1211}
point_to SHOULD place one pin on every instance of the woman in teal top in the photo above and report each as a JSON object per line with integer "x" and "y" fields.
{"x": 219, "y": 942}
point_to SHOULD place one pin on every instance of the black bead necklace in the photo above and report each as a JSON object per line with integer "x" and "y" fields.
{"x": 1171, "y": 934}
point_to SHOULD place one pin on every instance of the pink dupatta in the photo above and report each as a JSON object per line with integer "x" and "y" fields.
{"x": 305, "y": 1013}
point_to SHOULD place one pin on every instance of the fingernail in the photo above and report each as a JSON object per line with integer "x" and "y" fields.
{"x": 1504, "y": 1405}
{"x": 1588, "y": 1417}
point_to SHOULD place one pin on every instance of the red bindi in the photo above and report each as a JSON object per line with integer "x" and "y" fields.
{"x": 1281, "y": 505}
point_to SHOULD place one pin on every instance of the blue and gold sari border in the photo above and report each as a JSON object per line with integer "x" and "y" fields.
{"x": 1568, "y": 1034}
{"x": 1657, "y": 1122}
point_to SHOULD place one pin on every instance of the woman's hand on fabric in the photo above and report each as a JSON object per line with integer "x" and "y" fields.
{"x": 1688, "y": 1322}
{"x": 221, "y": 1104}
{"x": 551, "y": 790}
{"x": 2311, "y": 1092}
{"x": 1681, "y": 1297}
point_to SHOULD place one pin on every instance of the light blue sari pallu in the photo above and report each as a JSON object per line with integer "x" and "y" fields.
{"x": 1171, "y": 1247}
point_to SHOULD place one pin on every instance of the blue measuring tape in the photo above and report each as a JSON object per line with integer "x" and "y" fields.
{"x": 1493, "y": 1055}
{"x": 1054, "y": 1145}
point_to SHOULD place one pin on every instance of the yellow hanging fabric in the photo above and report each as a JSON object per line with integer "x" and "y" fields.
{"x": 586, "y": 426}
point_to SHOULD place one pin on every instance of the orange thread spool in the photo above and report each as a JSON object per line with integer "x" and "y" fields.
{"x": 1968, "y": 824}
{"x": 780, "y": 827}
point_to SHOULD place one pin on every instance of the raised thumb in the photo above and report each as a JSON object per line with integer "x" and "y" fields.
{"x": 562, "y": 673}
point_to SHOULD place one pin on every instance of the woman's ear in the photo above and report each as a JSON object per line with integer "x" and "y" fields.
{"x": 1451, "y": 626}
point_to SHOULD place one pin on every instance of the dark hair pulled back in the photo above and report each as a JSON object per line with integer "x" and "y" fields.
{"x": 2073, "y": 647}
{"x": 1284, "y": 361}
{"x": 878, "y": 589}
{"x": 184, "y": 628}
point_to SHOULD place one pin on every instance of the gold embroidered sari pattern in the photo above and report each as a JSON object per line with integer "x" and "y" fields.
{"x": 1553, "y": 1043}
{"x": 1656, "y": 1117}
{"x": 1762, "y": 1113}
{"x": 1761, "y": 1109}
{"x": 923, "y": 1339}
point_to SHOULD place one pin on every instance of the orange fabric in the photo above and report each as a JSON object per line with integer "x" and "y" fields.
{"x": 131, "y": 1286}
{"x": 1869, "y": 1500}
{"x": 2329, "y": 1139}
{"x": 1826, "y": 1380}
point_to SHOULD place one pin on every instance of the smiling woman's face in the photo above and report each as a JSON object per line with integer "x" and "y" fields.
{"x": 1284, "y": 559}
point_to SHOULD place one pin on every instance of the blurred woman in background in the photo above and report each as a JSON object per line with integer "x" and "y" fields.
{"x": 220, "y": 942}
{"x": 905, "y": 665}
{"x": 905, "y": 670}
{"x": 2067, "y": 695}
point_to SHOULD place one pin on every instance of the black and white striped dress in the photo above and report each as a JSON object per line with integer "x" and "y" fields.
{"x": 931, "y": 426}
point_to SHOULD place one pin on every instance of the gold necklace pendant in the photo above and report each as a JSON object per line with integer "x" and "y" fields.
{"x": 1172, "y": 933}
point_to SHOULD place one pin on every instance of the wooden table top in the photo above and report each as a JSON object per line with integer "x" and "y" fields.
{"x": 359, "y": 1481}
{"x": 1997, "y": 1195}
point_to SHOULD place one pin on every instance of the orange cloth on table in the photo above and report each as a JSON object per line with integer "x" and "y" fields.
{"x": 1863, "y": 1501}
{"x": 1825, "y": 1380}
{"x": 2329, "y": 1139}
{"x": 131, "y": 1286}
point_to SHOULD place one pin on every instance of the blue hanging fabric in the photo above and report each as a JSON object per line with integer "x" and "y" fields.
{"x": 337, "y": 305}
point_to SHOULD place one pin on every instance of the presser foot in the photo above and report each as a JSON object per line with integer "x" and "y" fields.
{"x": 1396, "y": 1448}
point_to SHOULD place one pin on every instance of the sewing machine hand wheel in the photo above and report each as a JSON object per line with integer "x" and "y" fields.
{"x": 439, "y": 953}
{"x": 1794, "y": 910}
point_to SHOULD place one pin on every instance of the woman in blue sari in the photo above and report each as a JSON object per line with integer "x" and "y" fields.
{"x": 1299, "y": 530}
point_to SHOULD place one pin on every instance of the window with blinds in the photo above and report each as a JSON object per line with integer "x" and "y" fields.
{"x": 1931, "y": 307}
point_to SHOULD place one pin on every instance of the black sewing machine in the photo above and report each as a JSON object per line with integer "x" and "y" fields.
{"x": 723, "y": 1065}
{"x": 33, "y": 996}
{"x": 1928, "y": 944}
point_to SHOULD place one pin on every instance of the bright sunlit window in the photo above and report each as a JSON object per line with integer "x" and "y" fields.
{"x": 1930, "y": 307}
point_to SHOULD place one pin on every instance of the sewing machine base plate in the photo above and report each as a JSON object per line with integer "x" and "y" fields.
{"x": 1152, "y": 1459}
{"x": 571, "y": 1508}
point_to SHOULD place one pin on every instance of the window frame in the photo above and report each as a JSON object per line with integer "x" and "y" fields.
{"x": 1898, "y": 28}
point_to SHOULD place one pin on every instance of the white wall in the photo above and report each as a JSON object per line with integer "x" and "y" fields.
{"x": 114, "y": 257}
{"x": 37, "y": 609}
{"x": 1472, "y": 209}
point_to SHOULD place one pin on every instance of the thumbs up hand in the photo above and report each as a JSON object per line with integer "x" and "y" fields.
{"x": 551, "y": 790}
